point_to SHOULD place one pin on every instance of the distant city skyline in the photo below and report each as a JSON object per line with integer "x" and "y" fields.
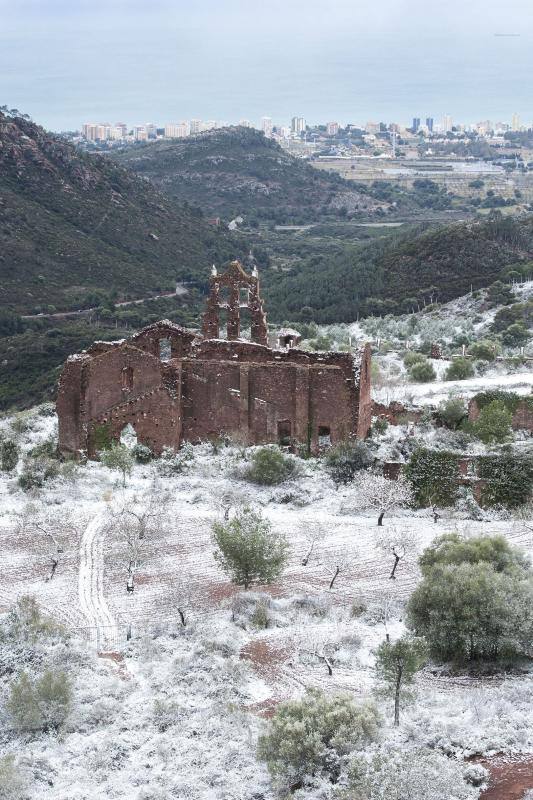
{"x": 350, "y": 61}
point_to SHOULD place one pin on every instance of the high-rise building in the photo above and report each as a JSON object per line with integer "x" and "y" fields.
{"x": 332, "y": 128}
{"x": 151, "y": 130}
{"x": 176, "y": 130}
{"x": 140, "y": 134}
{"x": 298, "y": 125}
{"x": 266, "y": 126}
{"x": 447, "y": 123}
{"x": 416, "y": 124}
{"x": 515, "y": 122}
{"x": 123, "y": 129}
{"x": 196, "y": 126}
{"x": 245, "y": 123}
{"x": 372, "y": 127}
{"x": 429, "y": 124}
{"x": 96, "y": 131}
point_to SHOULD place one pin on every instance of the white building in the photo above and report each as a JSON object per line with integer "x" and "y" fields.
{"x": 266, "y": 126}
{"x": 196, "y": 126}
{"x": 332, "y": 128}
{"x": 298, "y": 125}
{"x": 176, "y": 130}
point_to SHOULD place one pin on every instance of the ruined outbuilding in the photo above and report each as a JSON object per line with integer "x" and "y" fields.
{"x": 174, "y": 385}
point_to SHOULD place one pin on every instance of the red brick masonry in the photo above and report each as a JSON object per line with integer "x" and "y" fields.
{"x": 173, "y": 385}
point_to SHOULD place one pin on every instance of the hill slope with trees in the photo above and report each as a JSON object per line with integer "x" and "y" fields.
{"x": 234, "y": 171}
{"x": 401, "y": 272}
{"x": 71, "y": 223}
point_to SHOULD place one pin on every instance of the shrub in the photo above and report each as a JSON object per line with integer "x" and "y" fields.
{"x": 40, "y": 705}
{"x": 315, "y": 735}
{"x": 459, "y": 370}
{"x": 48, "y": 448}
{"x": 516, "y": 335}
{"x": 118, "y": 457}
{"x": 418, "y": 774}
{"x": 47, "y": 410}
{"x": 411, "y": 357}
{"x": 12, "y": 782}
{"x": 142, "y": 454}
{"x": 172, "y": 463}
{"x": 269, "y": 466}
{"x": 452, "y": 412}
{"x": 508, "y": 477}
{"x": 380, "y": 425}
{"x": 494, "y": 423}
{"x": 433, "y": 476}
{"x": 9, "y": 455}
{"x": 486, "y": 350}
{"x": 36, "y": 471}
{"x": 473, "y": 601}
{"x": 422, "y": 372}
{"x": 344, "y": 460}
{"x": 248, "y": 550}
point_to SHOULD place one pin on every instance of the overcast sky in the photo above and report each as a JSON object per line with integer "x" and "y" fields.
{"x": 66, "y": 62}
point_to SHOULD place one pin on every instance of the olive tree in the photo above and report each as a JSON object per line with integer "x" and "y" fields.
{"x": 248, "y": 550}
{"x": 120, "y": 458}
{"x": 474, "y": 600}
{"x": 314, "y": 736}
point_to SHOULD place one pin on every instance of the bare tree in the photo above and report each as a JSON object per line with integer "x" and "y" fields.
{"x": 374, "y": 491}
{"x": 313, "y": 534}
{"x": 385, "y": 606}
{"x": 54, "y": 532}
{"x": 342, "y": 560}
{"x": 399, "y": 542}
{"x": 138, "y": 528}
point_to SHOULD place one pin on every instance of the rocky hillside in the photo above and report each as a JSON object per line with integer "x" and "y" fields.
{"x": 70, "y": 223}
{"x": 237, "y": 171}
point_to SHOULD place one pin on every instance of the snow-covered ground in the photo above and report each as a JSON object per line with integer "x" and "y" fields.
{"x": 178, "y": 710}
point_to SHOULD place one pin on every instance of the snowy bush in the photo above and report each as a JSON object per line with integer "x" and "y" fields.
{"x": 459, "y": 370}
{"x": 47, "y": 410}
{"x": 43, "y": 704}
{"x": 269, "y": 466}
{"x": 316, "y": 735}
{"x": 172, "y": 463}
{"x": 346, "y": 459}
{"x": 422, "y": 372}
{"x": 12, "y": 780}
{"x": 36, "y": 472}
{"x": 415, "y": 774}
{"x": 9, "y": 455}
{"x": 452, "y": 412}
{"x": 142, "y": 454}
{"x": 493, "y": 424}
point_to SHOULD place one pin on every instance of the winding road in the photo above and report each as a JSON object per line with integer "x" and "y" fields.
{"x": 103, "y": 627}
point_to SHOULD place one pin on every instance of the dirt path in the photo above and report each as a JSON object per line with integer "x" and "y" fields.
{"x": 91, "y": 584}
{"x": 509, "y": 779}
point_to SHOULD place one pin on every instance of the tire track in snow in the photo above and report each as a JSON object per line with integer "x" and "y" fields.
{"x": 91, "y": 584}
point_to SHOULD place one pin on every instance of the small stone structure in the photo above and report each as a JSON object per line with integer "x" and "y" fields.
{"x": 173, "y": 385}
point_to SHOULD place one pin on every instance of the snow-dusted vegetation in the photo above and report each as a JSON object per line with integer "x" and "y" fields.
{"x": 149, "y": 667}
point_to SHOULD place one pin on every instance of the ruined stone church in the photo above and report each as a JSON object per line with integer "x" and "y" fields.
{"x": 174, "y": 385}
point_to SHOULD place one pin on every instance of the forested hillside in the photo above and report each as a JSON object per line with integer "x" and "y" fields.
{"x": 237, "y": 171}
{"x": 71, "y": 223}
{"x": 401, "y": 272}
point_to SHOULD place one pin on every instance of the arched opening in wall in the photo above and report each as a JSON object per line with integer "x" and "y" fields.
{"x": 223, "y": 323}
{"x": 165, "y": 350}
{"x": 246, "y": 323}
{"x": 128, "y": 436}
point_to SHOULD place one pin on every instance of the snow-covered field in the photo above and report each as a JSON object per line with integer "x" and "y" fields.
{"x": 176, "y": 711}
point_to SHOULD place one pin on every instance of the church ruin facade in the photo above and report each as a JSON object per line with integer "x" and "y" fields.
{"x": 173, "y": 385}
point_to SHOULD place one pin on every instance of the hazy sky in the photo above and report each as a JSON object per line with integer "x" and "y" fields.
{"x": 66, "y": 62}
